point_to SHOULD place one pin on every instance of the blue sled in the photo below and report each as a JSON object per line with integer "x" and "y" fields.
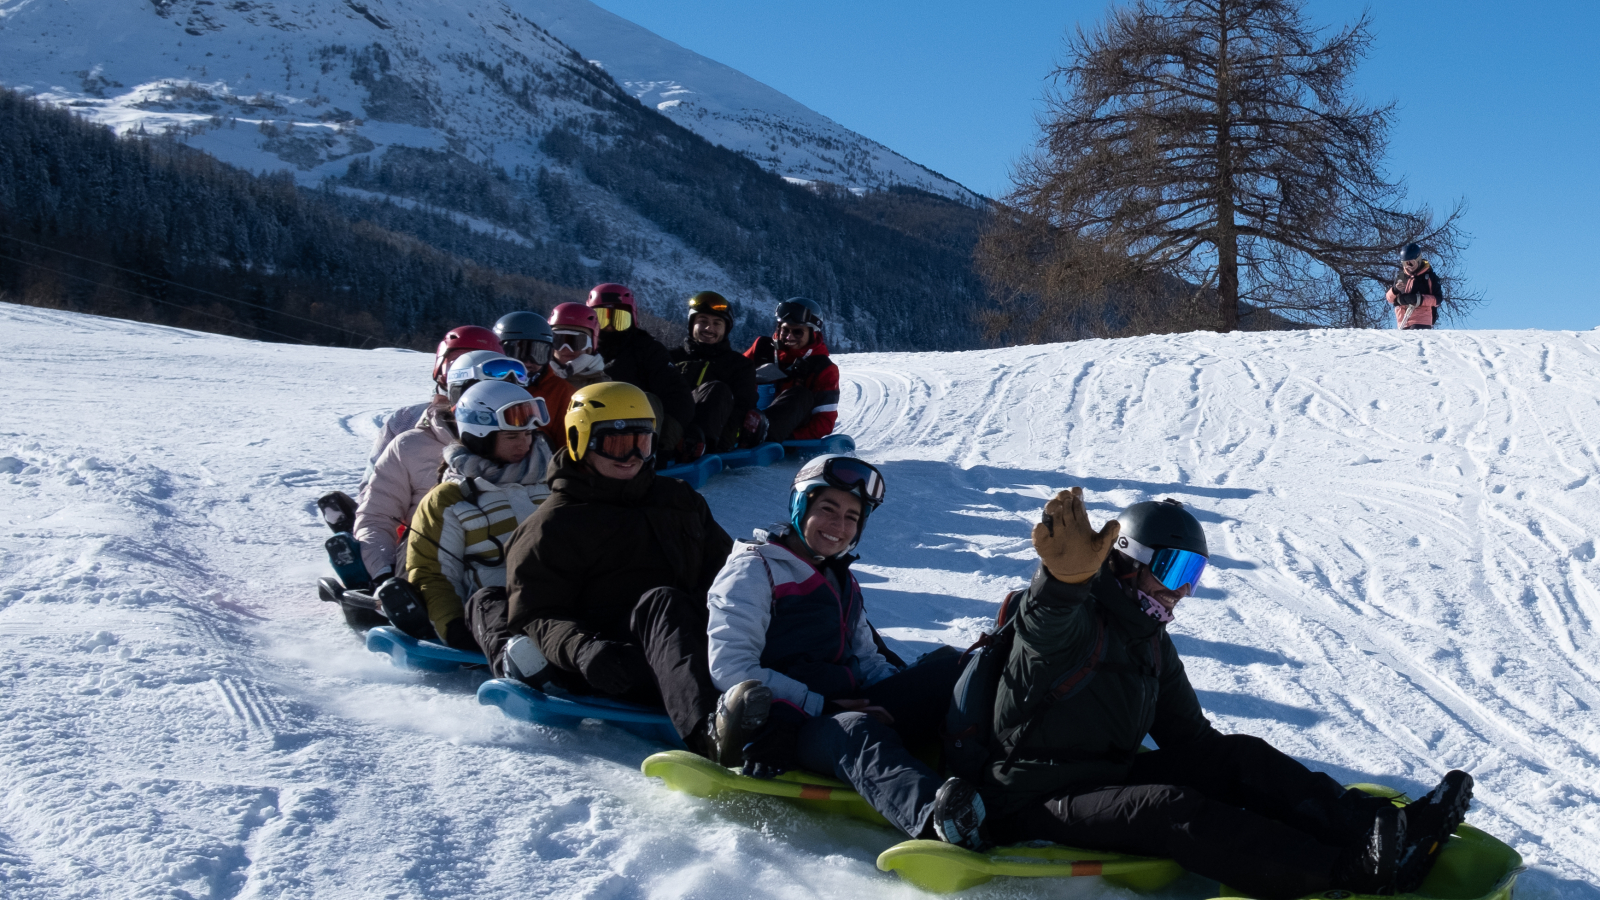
{"x": 759, "y": 455}
{"x": 833, "y": 443}
{"x": 407, "y": 652}
{"x": 526, "y": 704}
{"x": 696, "y": 473}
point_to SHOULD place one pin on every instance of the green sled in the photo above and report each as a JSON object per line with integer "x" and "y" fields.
{"x": 690, "y": 773}
{"x": 942, "y": 868}
{"x": 1474, "y": 865}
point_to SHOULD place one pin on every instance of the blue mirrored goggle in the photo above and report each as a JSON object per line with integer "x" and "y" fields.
{"x": 504, "y": 370}
{"x": 1172, "y": 567}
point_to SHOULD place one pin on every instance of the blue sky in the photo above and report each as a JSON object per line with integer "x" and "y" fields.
{"x": 1499, "y": 105}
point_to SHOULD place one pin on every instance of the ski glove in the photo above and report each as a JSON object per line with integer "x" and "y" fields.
{"x": 612, "y": 667}
{"x": 1069, "y": 546}
{"x": 773, "y": 750}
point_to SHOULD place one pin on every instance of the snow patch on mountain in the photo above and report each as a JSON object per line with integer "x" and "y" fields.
{"x": 727, "y": 107}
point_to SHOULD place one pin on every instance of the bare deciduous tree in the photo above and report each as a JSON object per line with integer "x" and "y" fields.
{"x": 1203, "y": 158}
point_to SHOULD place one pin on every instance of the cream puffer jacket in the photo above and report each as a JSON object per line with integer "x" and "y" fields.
{"x": 404, "y": 473}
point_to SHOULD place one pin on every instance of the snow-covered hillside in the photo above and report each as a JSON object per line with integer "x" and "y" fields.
{"x": 1405, "y": 581}
{"x": 727, "y": 107}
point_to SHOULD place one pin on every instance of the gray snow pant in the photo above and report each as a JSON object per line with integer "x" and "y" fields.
{"x": 872, "y": 757}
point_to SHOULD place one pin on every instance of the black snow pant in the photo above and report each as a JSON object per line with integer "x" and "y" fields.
{"x": 487, "y": 611}
{"x": 713, "y": 407}
{"x": 1419, "y": 328}
{"x": 1234, "y": 808}
{"x": 667, "y": 624}
{"x": 788, "y": 411}
{"x": 872, "y": 757}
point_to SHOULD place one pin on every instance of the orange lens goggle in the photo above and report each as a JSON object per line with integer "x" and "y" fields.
{"x": 625, "y": 446}
{"x": 615, "y": 319}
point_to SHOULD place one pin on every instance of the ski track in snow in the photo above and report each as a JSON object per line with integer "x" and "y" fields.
{"x": 1404, "y": 581}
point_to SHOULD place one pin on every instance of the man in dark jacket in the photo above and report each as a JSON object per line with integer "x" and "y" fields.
{"x": 609, "y": 577}
{"x": 632, "y": 355}
{"x": 722, "y": 379}
{"x": 795, "y": 361}
{"x": 1093, "y": 671}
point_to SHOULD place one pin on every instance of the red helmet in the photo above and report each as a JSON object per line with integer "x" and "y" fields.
{"x": 612, "y": 296}
{"x": 576, "y": 315}
{"x": 459, "y": 340}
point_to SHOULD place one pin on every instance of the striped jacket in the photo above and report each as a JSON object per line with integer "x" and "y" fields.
{"x": 778, "y": 619}
{"x": 459, "y": 532}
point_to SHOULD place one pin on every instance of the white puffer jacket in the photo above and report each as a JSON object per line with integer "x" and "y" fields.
{"x": 403, "y": 474}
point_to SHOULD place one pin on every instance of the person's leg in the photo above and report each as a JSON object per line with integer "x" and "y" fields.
{"x": 713, "y": 404}
{"x": 1245, "y": 771}
{"x": 788, "y": 411}
{"x": 919, "y": 696}
{"x": 1239, "y": 848}
{"x": 670, "y": 626}
{"x": 867, "y": 754}
{"x": 487, "y": 618}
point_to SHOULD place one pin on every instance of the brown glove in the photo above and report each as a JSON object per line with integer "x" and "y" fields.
{"x": 1068, "y": 544}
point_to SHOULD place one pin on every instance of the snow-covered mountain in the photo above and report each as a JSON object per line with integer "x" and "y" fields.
{"x": 314, "y": 85}
{"x": 1404, "y": 581}
{"x": 727, "y": 107}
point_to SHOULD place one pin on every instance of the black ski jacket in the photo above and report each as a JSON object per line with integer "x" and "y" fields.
{"x": 634, "y": 356}
{"x": 1125, "y": 681}
{"x": 699, "y": 363}
{"x": 578, "y": 565}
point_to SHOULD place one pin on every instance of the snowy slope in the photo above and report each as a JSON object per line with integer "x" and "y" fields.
{"x": 1405, "y": 581}
{"x": 727, "y": 107}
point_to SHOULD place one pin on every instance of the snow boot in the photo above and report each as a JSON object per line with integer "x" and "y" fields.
{"x": 1429, "y": 824}
{"x": 741, "y": 711}
{"x": 339, "y": 511}
{"x": 1369, "y": 867}
{"x": 958, "y": 814}
{"x": 522, "y": 661}
{"x": 359, "y": 609}
{"x": 402, "y": 603}
{"x": 344, "y": 553}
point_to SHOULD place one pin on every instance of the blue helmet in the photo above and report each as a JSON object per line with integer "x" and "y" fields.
{"x": 836, "y": 471}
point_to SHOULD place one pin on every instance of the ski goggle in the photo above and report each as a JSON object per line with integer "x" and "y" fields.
{"x": 572, "y": 340}
{"x": 503, "y": 369}
{"x": 847, "y": 474}
{"x": 624, "y": 439}
{"x": 798, "y": 313}
{"x": 532, "y": 353}
{"x": 521, "y": 415}
{"x": 1172, "y": 567}
{"x": 615, "y": 319}
{"x": 698, "y": 304}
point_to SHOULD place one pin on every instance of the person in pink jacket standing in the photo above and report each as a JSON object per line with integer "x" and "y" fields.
{"x": 1415, "y": 295}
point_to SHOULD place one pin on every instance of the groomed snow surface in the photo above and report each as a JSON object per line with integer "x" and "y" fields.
{"x": 1405, "y": 581}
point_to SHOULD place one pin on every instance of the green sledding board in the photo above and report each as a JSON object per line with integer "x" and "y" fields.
{"x": 690, "y": 773}
{"x": 941, "y": 868}
{"x": 1473, "y": 865}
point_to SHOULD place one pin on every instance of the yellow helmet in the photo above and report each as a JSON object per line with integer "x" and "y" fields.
{"x": 610, "y": 406}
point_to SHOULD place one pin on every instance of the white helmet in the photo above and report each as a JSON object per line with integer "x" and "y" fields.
{"x": 483, "y": 365}
{"x": 491, "y": 406}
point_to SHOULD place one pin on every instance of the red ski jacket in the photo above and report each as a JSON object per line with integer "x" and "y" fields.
{"x": 808, "y": 368}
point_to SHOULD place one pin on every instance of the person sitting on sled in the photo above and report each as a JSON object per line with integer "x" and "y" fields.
{"x": 337, "y": 507}
{"x": 1415, "y": 294}
{"x": 722, "y": 379}
{"x": 807, "y": 686}
{"x": 408, "y": 468}
{"x": 634, "y": 356}
{"x": 1092, "y": 671}
{"x": 528, "y": 339}
{"x": 794, "y": 360}
{"x": 493, "y": 481}
{"x": 575, "y": 331}
{"x": 607, "y": 583}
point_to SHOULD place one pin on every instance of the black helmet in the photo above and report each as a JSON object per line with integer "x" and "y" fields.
{"x": 801, "y": 311}
{"x": 1162, "y": 524}
{"x": 526, "y": 336}
{"x": 1412, "y": 251}
{"x": 711, "y": 303}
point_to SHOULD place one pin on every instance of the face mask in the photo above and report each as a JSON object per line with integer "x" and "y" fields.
{"x": 1152, "y": 607}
